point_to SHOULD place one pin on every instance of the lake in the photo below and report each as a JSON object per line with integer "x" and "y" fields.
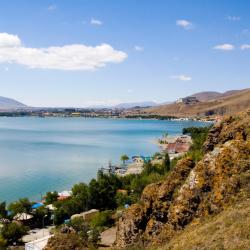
{"x": 46, "y": 154}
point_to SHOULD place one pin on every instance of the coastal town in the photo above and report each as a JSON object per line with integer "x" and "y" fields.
{"x": 37, "y": 237}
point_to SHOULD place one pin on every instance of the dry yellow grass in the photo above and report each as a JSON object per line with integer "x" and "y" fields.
{"x": 229, "y": 230}
{"x": 234, "y": 103}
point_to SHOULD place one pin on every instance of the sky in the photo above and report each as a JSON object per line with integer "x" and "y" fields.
{"x": 93, "y": 52}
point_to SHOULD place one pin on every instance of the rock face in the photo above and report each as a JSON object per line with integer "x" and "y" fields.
{"x": 192, "y": 191}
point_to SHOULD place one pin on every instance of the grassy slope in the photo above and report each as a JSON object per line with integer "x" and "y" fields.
{"x": 228, "y": 230}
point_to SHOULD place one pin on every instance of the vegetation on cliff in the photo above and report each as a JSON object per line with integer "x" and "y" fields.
{"x": 195, "y": 191}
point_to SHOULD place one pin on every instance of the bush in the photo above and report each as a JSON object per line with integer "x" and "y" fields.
{"x": 68, "y": 241}
{"x": 13, "y": 232}
{"x": 81, "y": 227}
{"x": 102, "y": 219}
{"x": 122, "y": 199}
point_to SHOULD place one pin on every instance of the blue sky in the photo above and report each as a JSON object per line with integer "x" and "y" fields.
{"x": 81, "y": 53}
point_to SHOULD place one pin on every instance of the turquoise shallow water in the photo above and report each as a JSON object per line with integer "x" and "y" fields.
{"x": 42, "y": 154}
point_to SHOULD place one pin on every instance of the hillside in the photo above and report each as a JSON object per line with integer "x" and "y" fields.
{"x": 207, "y": 96}
{"x": 229, "y": 103}
{"x": 8, "y": 104}
{"x": 198, "y": 199}
{"x": 128, "y": 105}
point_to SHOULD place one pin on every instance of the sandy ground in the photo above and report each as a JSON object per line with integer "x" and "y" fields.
{"x": 37, "y": 233}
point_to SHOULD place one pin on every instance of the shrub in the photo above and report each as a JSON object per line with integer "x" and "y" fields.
{"x": 102, "y": 219}
{"x": 122, "y": 199}
{"x": 13, "y": 232}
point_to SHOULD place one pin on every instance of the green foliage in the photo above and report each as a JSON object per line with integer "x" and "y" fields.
{"x": 124, "y": 158}
{"x": 13, "y": 232}
{"x": 102, "y": 219}
{"x": 51, "y": 197}
{"x": 157, "y": 155}
{"x": 60, "y": 215}
{"x": 21, "y": 206}
{"x": 199, "y": 135}
{"x": 81, "y": 196}
{"x": 3, "y": 243}
{"x": 122, "y": 199}
{"x": 103, "y": 190}
{"x": 94, "y": 238}
{"x": 65, "y": 241}
{"x": 3, "y": 211}
{"x": 81, "y": 227}
{"x": 41, "y": 216}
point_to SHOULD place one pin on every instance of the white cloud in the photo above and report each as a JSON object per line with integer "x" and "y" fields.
{"x": 94, "y": 21}
{"x": 233, "y": 18}
{"x": 68, "y": 57}
{"x": 8, "y": 40}
{"x": 225, "y": 47}
{"x": 245, "y": 46}
{"x": 138, "y": 48}
{"x": 184, "y": 24}
{"x": 52, "y": 7}
{"x": 182, "y": 78}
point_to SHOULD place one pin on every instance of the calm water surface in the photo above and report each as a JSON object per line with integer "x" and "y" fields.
{"x": 42, "y": 154}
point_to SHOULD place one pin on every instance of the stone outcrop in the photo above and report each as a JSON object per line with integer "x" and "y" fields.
{"x": 192, "y": 191}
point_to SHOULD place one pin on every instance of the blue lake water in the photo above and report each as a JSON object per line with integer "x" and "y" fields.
{"x": 45, "y": 154}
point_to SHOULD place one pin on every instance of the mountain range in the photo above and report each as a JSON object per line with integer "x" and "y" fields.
{"x": 208, "y": 103}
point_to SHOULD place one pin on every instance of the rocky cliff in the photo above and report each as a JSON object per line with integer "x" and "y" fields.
{"x": 193, "y": 191}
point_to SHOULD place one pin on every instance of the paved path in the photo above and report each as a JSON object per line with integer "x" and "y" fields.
{"x": 36, "y": 234}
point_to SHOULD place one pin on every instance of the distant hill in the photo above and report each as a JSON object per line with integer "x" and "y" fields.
{"x": 10, "y": 104}
{"x": 135, "y": 104}
{"x": 226, "y": 103}
{"x": 212, "y": 95}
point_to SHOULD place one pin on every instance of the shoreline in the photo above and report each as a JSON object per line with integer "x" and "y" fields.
{"x": 69, "y": 185}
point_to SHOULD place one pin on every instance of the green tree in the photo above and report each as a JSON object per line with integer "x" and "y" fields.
{"x": 51, "y": 197}
{"x": 103, "y": 190}
{"x": 81, "y": 196}
{"x": 13, "y": 232}
{"x": 59, "y": 216}
{"x": 21, "y": 206}
{"x": 124, "y": 158}
{"x": 3, "y": 211}
{"x": 41, "y": 216}
{"x": 166, "y": 163}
